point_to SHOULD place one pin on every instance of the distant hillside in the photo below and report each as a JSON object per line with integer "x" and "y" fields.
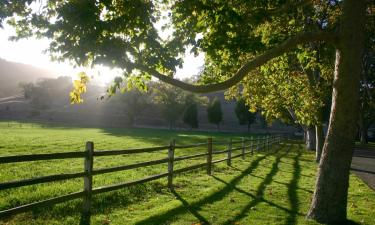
{"x": 12, "y": 73}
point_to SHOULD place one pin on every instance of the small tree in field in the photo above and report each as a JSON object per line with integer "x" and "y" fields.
{"x": 191, "y": 102}
{"x": 243, "y": 113}
{"x": 170, "y": 99}
{"x": 214, "y": 112}
{"x": 133, "y": 103}
{"x": 190, "y": 116}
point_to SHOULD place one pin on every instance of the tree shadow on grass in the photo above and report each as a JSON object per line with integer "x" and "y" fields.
{"x": 217, "y": 196}
{"x": 292, "y": 190}
{"x": 285, "y": 184}
{"x": 258, "y": 197}
{"x": 101, "y": 204}
{"x": 191, "y": 209}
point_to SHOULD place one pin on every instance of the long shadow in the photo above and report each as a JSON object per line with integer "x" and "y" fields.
{"x": 261, "y": 198}
{"x": 282, "y": 183}
{"x": 102, "y": 203}
{"x": 217, "y": 196}
{"x": 190, "y": 208}
{"x": 292, "y": 190}
{"x": 286, "y": 171}
{"x": 260, "y": 191}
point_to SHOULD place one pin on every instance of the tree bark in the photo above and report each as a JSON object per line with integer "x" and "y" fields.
{"x": 362, "y": 129}
{"x": 329, "y": 201}
{"x": 247, "y": 67}
{"x": 310, "y": 138}
{"x": 319, "y": 140}
{"x": 319, "y": 136}
{"x": 363, "y": 135}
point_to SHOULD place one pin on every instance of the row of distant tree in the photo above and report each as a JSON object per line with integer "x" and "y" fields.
{"x": 173, "y": 103}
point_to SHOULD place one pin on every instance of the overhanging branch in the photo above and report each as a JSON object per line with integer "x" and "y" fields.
{"x": 247, "y": 67}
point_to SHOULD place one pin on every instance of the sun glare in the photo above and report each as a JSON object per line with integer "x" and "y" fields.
{"x": 30, "y": 51}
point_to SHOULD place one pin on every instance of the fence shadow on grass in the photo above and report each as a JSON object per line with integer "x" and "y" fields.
{"x": 103, "y": 203}
{"x": 191, "y": 209}
{"x": 258, "y": 197}
{"x": 214, "y": 197}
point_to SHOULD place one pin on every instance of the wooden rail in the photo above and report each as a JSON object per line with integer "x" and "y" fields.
{"x": 37, "y": 157}
{"x": 247, "y": 147}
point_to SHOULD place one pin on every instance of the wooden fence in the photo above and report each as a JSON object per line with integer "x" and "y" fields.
{"x": 247, "y": 147}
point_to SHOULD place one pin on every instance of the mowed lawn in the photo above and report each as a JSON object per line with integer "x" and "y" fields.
{"x": 269, "y": 187}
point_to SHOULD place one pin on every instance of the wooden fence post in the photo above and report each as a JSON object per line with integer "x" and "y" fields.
{"x": 87, "y": 184}
{"x": 229, "y": 160}
{"x": 251, "y": 145}
{"x": 170, "y": 163}
{"x": 209, "y": 156}
{"x": 258, "y": 142}
{"x": 243, "y": 148}
{"x": 268, "y": 142}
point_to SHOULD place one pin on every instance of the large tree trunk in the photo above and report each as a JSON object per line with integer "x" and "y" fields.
{"x": 310, "y": 138}
{"x": 330, "y": 196}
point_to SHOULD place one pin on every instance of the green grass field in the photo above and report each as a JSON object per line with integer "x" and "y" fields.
{"x": 266, "y": 188}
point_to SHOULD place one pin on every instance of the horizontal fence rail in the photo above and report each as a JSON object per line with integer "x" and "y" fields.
{"x": 37, "y": 157}
{"x": 40, "y": 180}
{"x": 246, "y": 145}
{"x": 129, "y": 151}
{"x": 128, "y": 167}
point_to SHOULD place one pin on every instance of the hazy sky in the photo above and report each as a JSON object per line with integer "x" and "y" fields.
{"x": 30, "y": 51}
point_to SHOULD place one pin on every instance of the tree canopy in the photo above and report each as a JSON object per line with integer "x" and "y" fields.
{"x": 123, "y": 34}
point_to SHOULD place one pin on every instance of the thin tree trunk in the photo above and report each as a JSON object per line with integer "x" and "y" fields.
{"x": 310, "y": 138}
{"x": 363, "y": 135}
{"x": 319, "y": 139}
{"x": 362, "y": 129}
{"x": 329, "y": 201}
{"x": 319, "y": 136}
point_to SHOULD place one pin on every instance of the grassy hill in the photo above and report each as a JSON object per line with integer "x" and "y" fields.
{"x": 12, "y": 73}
